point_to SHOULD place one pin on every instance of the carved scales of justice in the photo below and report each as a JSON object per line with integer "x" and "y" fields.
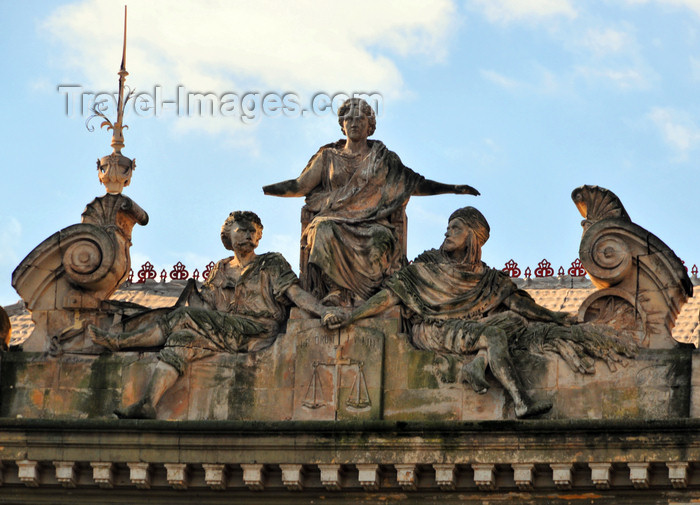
{"x": 357, "y": 401}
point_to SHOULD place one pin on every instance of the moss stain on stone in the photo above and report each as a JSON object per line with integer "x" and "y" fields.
{"x": 241, "y": 397}
{"x": 102, "y": 397}
{"x": 9, "y": 367}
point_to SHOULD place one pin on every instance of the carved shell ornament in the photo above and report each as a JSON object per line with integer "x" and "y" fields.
{"x": 596, "y": 203}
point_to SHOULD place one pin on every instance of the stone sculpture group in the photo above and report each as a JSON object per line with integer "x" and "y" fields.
{"x": 353, "y": 266}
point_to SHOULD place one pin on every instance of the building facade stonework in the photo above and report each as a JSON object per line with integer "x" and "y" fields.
{"x": 367, "y": 379}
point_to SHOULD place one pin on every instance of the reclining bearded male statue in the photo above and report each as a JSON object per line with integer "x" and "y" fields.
{"x": 461, "y": 306}
{"x": 240, "y": 308}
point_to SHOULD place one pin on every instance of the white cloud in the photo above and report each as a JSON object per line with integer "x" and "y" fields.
{"x": 42, "y": 85}
{"x": 487, "y": 153}
{"x": 605, "y": 41}
{"x": 499, "y": 79}
{"x": 240, "y": 46}
{"x": 693, "y": 5}
{"x": 505, "y": 11}
{"x": 539, "y": 81}
{"x": 678, "y": 129}
{"x": 549, "y": 82}
{"x": 624, "y": 78}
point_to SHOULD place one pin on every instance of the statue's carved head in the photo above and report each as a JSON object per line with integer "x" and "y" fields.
{"x": 467, "y": 232}
{"x": 238, "y": 222}
{"x": 357, "y": 106}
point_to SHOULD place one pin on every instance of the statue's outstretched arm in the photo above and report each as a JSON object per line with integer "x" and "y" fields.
{"x": 377, "y": 304}
{"x": 428, "y": 187}
{"x": 301, "y": 186}
{"x": 284, "y": 188}
{"x": 529, "y": 309}
{"x": 307, "y": 302}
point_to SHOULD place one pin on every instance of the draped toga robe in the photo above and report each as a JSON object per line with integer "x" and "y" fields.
{"x": 350, "y": 238}
{"x": 453, "y": 305}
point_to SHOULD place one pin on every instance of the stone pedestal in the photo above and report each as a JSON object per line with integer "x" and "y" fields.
{"x": 369, "y": 371}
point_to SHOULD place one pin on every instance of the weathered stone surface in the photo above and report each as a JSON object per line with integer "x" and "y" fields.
{"x": 103, "y": 474}
{"x": 678, "y": 473}
{"x": 177, "y": 475}
{"x": 356, "y": 192}
{"x": 407, "y": 476}
{"x": 293, "y": 476}
{"x": 67, "y": 279}
{"x": 254, "y": 476}
{"x": 28, "y": 472}
{"x": 338, "y": 374}
{"x": 484, "y": 476}
{"x": 600, "y": 474}
{"x": 546, "y": 291}
{"x": 368, "y": 476}
{"x": 639, "y": 474}
{"x": 445, "y": 475}
{"x": 523, "y": 475}
{"x": 379, "y": 458}
{"x": 215, "y": 475}
{"x": 5, "y": 329}
{"x": 65, "y": 473}
{"x": 561, "y": 474}
{"x": 402, "y": 383}
{"x": 331, "y": 476}
{"x": 642, "y": 283}
{"x": 140, "y": 474}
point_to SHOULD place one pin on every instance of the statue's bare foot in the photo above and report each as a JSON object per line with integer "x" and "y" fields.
{"x": 532, "y": 409}
{"x": 474, "y": 374}
{"x": 139, "y": 410}
{"x": 102, "y": 338}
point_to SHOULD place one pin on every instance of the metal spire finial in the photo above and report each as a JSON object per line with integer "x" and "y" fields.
{"x": 118, "y": 137}
{"x": 115, "y": 169}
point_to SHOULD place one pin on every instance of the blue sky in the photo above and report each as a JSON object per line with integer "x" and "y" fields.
{"x": 524, "y": 100}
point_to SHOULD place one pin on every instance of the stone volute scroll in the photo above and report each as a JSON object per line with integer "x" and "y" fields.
{"x": 641, "y": 283}
{"x": 66, "y": 280}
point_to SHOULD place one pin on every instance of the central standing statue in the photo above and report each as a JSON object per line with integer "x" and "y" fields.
{"x": 354, "y": 189}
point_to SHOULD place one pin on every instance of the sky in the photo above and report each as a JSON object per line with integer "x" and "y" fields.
{"x": 524, "y": 100}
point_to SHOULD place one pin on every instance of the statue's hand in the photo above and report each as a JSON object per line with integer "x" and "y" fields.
{"x": 335, "y": 317}
{"x": 271, "y": 189}
{"x": 464, "y": 189}
{"x": 564, "y": 318}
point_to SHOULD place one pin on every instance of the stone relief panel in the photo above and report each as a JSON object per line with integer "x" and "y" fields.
{"x": 338, "y": 373}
